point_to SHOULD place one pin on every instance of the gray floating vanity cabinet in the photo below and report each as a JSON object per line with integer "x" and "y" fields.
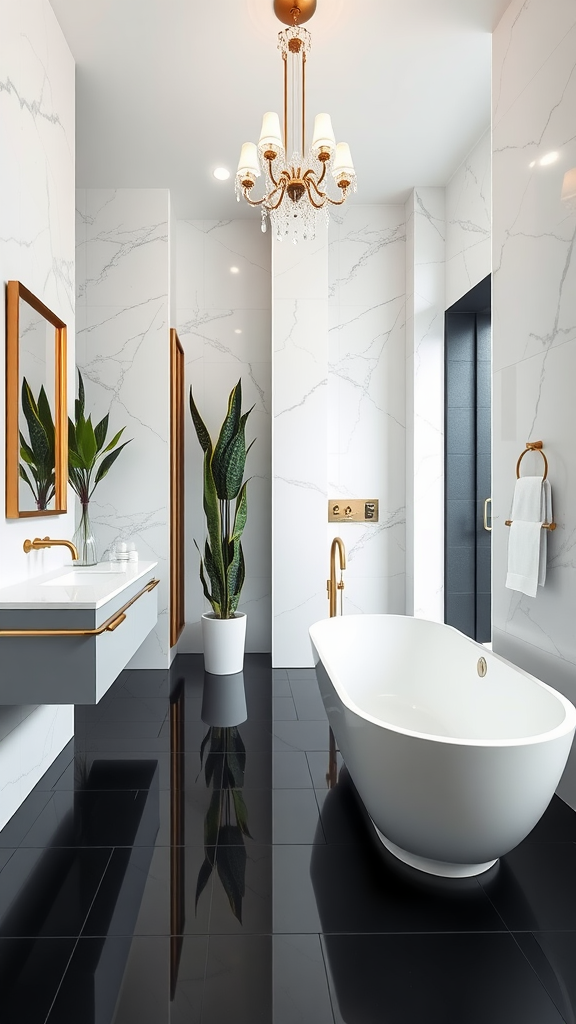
{"x": 91, "y": 621}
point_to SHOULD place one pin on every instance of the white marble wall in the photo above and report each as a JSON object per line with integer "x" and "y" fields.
{"x": 366, "y": 399}
{"x": 534, "y": 324}
{"x": 468, "y": 221}
{"x": 425, "y": 293}
{"x": 300, "y": 445}
{"x": 123, "y": 322}
{"x": 224, "y": 324}
{"x": 37, "y": 248}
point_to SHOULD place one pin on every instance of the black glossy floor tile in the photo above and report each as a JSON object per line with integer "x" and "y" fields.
{"x": 255, "y": 735}
{"x": 301, "y": 994}
{"x": 50, "y": 892}
{"x": 283, "y": 709}
{"x": 93, "y": 818}
{"x": 238, "y": 984}
{"x": 91, "y": 984}
{"x": 290, "y": 770}
{"x": 242, "y": 890}
{"x": 533, "y": 888}
{"x": 280, "y": 683}
{"x": 186, "y": 1006}
{"x": 255, "y": 770}
{"x": 16, "y": 828}
{"x": 116, "y": 905}
{"x": 380, "y": 894}
{"x": 437, "y": 979}
{"x": 145, "y": 993}
{"x": 307, "y": 700}
{"x": 297, "y": 817}
{"x": 557, "y": 824}
{"x": 300, "y": 736}
{"x": 344, "y": 819}
{"x": 318, "y": 764}
{"x": 31, "y": 970}
{"x": 202, "y": 808}
{"x": 553, "y": 957}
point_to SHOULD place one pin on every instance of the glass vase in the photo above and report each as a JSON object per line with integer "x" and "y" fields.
{"x": 84, "y": 540}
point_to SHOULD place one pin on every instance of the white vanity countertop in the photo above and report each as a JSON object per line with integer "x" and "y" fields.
{"x": 107, "y": 579}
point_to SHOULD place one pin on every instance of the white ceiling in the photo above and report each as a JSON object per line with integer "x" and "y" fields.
{"x": 169, "y": 89}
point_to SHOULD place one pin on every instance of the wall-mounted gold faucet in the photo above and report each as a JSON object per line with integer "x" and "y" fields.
{"x": 331, "y": 585}
{"x": 47, "y": 542}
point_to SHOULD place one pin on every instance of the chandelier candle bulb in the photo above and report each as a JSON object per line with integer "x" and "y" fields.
{"x": 323, "y": 137}
{"x": 248, "y": 166}
{"x": 270, "y": 136}
{"x": 343, "y": 168}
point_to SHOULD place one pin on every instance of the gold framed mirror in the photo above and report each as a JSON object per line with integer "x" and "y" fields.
{"x": 36, "y": 420}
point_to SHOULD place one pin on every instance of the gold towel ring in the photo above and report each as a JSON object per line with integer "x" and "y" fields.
{"x": 533, "y": 446}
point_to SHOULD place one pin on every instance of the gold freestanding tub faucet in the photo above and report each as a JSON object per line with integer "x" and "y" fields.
{"x": 331, "y": 585}
{"x": 46, "y": 542}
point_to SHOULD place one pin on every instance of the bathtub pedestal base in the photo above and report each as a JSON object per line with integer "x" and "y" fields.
{"x": 433, "y": 867}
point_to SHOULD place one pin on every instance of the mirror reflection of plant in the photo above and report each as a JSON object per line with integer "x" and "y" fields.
{"x": 88, "y": 460}
{"x": 38, "y": 453}
{"x": 226, "y": 821}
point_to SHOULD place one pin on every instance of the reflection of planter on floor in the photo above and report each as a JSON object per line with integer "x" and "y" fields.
{"x": 226, "y": 821}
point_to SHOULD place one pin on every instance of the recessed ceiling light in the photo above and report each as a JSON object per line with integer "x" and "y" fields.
{"x": 550, "y": 158}
{"x": 234, "y": 270}
{"x": 222, "y": 173}
{"x": 533, "y": 164}
{"x": 238, "y": 330}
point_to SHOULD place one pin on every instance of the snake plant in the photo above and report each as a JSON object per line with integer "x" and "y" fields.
{"x": 222, "y": 568}
{"x": 37, "y": 454}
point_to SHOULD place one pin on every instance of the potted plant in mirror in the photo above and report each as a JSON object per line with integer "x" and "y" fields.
{"x": 222, "y": 567}
{"x": 38, "y": 454}
{"x": 89, "y": 460}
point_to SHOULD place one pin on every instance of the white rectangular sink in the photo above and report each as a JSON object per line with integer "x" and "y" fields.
{"x": 82, "y": 577}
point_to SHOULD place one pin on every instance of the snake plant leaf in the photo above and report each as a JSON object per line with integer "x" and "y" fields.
{"x": 26, "y": 452}
{"x": 203, "y": 878}
{"x": 114, "y": 441}
{"x": 38, "y": 438}
{"x": 201, "y": 430}
{"x": 239, "y": 583}
{"x": 231, "y": 866}
{"x": 228, "y": 432}
{"x": 24, "y": 476}
{"x": 240, "y": 514}
{"x": 236, "y": 460}
{"x": 45, "y": 416}
{"x": 215, "y": 580}
{"x": 233, "y": 573}
{"x": 207, "y": 737}
{"x": 234, "y": 770}
{"x": 212, "y": 763}
{"x": 209, "y": 596}
{"x": 213, "y": 519}
{"x": 241, "y": 812}
{"x": 100, "y": 431}
{"x": 80, "y": 401}
{"x": 107, "y": 463}
{"x": 212, "y": 819}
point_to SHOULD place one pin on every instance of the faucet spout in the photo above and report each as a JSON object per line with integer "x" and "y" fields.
{"x": 47, "y": 542}
{"x": 331, "y": 585}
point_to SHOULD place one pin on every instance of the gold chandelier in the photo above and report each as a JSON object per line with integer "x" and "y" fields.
{"x": 295, "y": 189}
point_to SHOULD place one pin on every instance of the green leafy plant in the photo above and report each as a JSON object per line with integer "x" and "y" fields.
{"x": 37, "y": 468}
{"x": 88, "y": 460}
{"x": 226, "y": 821}
{"x": 222, "y": 484}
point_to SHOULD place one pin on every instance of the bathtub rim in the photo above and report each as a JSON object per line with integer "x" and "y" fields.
{"x": 563, "y": 729}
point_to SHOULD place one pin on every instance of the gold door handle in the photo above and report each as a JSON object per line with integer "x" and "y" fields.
{"x": 486, "y": 527}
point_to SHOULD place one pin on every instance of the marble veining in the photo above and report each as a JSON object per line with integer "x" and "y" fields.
{"x": 468, "y": 222}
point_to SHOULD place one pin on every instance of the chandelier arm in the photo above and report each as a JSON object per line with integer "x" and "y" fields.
{"x": 282, "y": 194}
{"x": 312, "y": 172}
{"x": 336, "y": 202}
{"x": 270, "y": 174}
{"x": 317, "y": 206}
{"x": 311, "y": 181}
{"x": 258, "y": 202}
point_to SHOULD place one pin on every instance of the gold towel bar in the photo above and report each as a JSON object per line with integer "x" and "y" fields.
{"x": 107, "y": 627}
{"x": 545, "y": 526}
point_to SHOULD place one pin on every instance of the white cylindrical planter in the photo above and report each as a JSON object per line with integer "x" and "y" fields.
{"x": 223, "y": 641}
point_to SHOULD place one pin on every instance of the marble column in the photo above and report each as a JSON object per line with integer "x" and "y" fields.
{"x": 299, "y": 445}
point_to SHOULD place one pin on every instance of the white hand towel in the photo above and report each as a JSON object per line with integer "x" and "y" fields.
{"x": 528, "y": 542}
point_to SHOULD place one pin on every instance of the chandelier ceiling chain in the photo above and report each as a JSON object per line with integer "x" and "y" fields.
{"x": 295, "y": 189}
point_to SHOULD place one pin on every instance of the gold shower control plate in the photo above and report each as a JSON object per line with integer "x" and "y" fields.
{"x": 353, "y": 510}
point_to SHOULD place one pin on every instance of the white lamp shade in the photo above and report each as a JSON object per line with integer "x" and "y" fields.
{"x": 323, "y": 133}
{"x": 343, "y": 160}
{"x": 270, "y": 137}
{"x": 248, "y": 163}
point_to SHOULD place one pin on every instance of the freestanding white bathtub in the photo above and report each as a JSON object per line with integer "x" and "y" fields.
{"x": 453, "y": 768}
